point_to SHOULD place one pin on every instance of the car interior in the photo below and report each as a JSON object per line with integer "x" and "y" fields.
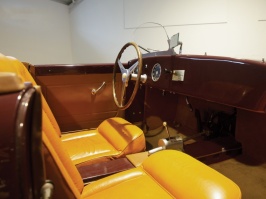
{"x": 132, "y": 99}
{"x": 59, "y": 155}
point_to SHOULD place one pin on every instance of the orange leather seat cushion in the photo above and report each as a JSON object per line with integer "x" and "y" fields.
{"x": 165, "y": 174}
{"x": 113, "y": 138}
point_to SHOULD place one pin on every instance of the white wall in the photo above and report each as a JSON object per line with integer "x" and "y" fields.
{"x": 99, "y": 28}
{"x": 93, "y": 31}
{"x": 36, "y": 31}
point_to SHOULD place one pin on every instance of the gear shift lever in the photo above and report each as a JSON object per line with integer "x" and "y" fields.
{"x": 171, "y": 143}
{"x": 166, "y": 129}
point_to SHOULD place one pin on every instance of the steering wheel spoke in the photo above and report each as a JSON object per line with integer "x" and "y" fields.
{"x": 122, "y": 68}
{"x": 125, "y": 72}
{"x": 126, "y": 76}
{"x": 133, "y": 67}
{"x": 123, "y": 92}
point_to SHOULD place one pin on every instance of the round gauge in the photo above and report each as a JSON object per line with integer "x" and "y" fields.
{"x": 156, "y": 72}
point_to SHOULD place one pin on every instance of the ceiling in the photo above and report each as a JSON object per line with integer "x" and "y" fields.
{"x": 66, "y": 2}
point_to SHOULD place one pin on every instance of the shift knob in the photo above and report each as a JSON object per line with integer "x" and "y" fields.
{"x": 166, "y": 128}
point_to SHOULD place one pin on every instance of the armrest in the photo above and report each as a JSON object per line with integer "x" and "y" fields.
{"x": 99, "y": 170}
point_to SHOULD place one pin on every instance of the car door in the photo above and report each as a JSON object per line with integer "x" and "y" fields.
{"x": 80, "y": 96}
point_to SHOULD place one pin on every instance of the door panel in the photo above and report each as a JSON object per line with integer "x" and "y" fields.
{"x": 70, "y": 98}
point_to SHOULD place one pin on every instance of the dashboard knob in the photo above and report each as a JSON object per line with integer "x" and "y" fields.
{"x": 167, "y": 71}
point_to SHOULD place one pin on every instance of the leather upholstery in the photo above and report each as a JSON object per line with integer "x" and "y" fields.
{"x": 165, "y": 174}
{"x": 91, "y": 145}
{"x": 10, "y": 82}
{"x": 113, "y": 138}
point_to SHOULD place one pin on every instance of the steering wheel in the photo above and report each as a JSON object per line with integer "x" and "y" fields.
{"x": 126, "y": 76}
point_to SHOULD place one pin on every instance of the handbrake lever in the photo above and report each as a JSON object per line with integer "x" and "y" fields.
{"x": 152, "y": 151}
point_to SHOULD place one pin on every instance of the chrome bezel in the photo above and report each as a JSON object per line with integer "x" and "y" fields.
{"x": 156, "y": 77}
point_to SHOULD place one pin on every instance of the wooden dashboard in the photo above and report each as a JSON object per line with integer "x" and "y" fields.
{"x": 211, "y": 86}
{"x": 228, "y": 81}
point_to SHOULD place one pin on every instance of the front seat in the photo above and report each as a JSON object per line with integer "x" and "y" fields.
{"x": 115, "y": 137}
{"x": 165, "y": 174}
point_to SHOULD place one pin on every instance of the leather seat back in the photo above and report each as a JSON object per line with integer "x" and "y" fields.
{"x": 60, "y": 168}
{"x": 10, "y": 64}
{"x": 21, "y": 139}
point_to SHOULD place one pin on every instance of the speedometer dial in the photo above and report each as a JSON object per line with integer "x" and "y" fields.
{"x": 156, "y": 72}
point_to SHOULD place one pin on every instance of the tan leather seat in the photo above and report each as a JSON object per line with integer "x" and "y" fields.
{"x": 115, "y": 137}
{"x": 166, "y": 174}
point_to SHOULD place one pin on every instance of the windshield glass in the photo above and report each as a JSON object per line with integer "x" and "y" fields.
{"x": 153, "y": 40}
{"x": 152, "y": 37}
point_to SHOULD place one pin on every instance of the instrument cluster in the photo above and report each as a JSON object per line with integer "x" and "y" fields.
{"x": 156, "y": 72}
{"x": 160, "y": 73}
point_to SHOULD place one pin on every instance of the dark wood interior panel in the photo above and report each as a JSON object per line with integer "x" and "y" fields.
{"x": 8, "y": 164}
{"x": 71, "y": 100}
{"x": 74, "y": 94}
{"x": 232, "y": 82}
{"x": 196, "y": 116}
{"x": 166, "y": 66}
{"x": 159, "y": 106}
{"x": 20, "y": 151}
{"x": 251, "y": 132}
{"x": 135, "y": 112}
{"x": 63, "y": 69}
